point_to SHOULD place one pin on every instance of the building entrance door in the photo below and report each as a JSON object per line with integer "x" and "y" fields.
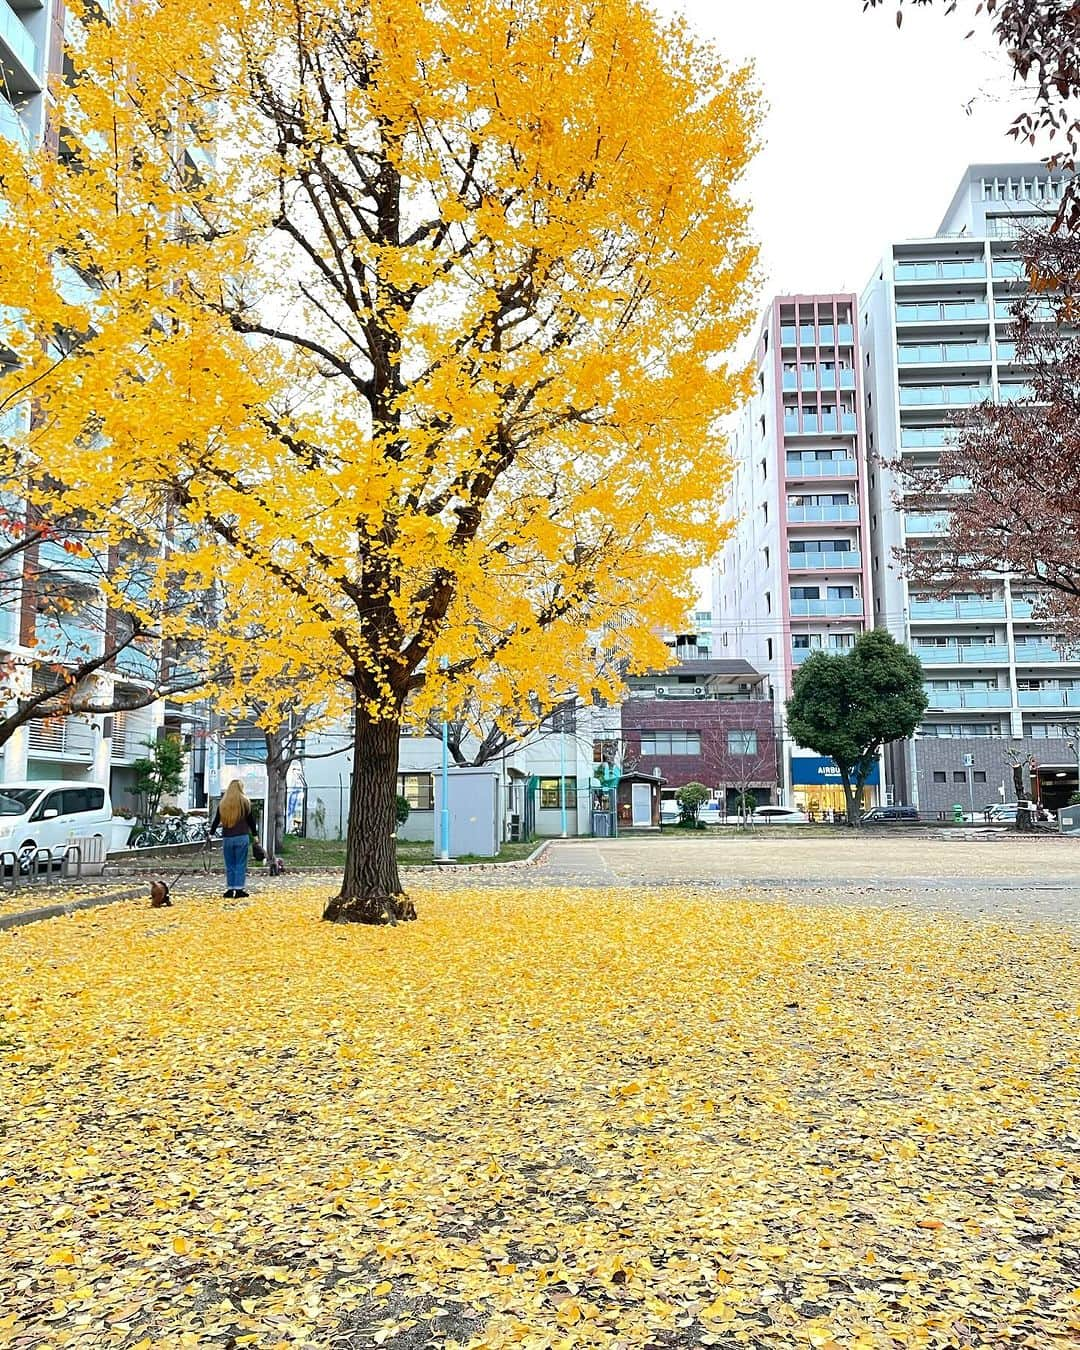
{"x": 641, "y": 804}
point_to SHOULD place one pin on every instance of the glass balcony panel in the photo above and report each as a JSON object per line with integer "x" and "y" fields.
{"x": 806, "y": 335}
{"x": 1016, "y": 393}
{"x": 847, "y": 378}
{"x": 787, "y": 335}
{"x": 1049, "y": 698}
{"x": 138, "y": 664}
{"x": 848, "y": 422}
{"x": 981, "y": 654}
{"x": 952, "y": 270}
{"x": 969, "y": 698}
{"x": 800, "y": 654}
{"x": 790, "y": 380}
{"x": 813, "y": 609}
{"x": 940, "y": 312}
{"x": 819, "y": 561}
{"x": 919, "y": 437}
{"x": 845, "y": 334}
{"x": 922, "y": 394}
{"x": 957, "y": 609}
{"x": 805, "y": 515}
{"x": 1007, "y": 353}
{"x": 1008, "y": 268}
{"x": 825, "y": 335}
{"x": 67, "y": 643}
{"x": 926, "y": 524}
{"x": 820, "y": 468}
{"x": 1041, "y": 653}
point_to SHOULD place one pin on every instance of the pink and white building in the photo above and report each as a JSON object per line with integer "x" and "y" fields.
{"x": 796, "y": 574}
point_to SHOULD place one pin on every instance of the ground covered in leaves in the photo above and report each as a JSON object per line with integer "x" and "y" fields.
{"x": 548, "y": 1119}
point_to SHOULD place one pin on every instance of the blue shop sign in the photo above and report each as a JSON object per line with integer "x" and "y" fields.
{"x": 810, "y": 771}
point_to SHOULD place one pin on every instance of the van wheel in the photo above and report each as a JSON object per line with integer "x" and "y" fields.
{"x": 27, "y": 853}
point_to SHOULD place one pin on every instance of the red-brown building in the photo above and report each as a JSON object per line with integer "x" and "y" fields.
{"x": 703, "y": 721}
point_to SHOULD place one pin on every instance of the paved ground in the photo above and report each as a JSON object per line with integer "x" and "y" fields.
{"x": 998, "y": 874}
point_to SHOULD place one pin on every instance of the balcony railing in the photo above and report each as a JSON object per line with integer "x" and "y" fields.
{"x": 982, "y": 654}
{"x": 819, "y": 468}
{"x": 804, "y": 562}
{"x": 1016, "y": 393}
{"x": 812, "y": 424}
{"x": 926, "y": 524}
{"x": 1042, "y": 654}
{"x": 969, "y": 698}
{"x": 826, "y": 336}
{"x": 919, "y": 395}
{"x": 822, "y": 379}
{"x": 957, "y": 609}
{"x": 67, "y": 643}
{"x": 1049, "y": 698}
{"x": 924, "y": 438}
{"x": 941, "y": 312}
{"x": 69, "y": 737}
{"x": 943, "y": 353}
{"x": 137, "y": 664}
{"x": 18, "y": 55}
{"x": 131, "y": 731}
{"x": 815, "y": 609}
{"x": 808, "y": 515}
{"x": 959, "y": 269}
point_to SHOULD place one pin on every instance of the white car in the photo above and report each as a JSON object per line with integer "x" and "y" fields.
{"x": 779, "y": 815}
{"x": 50, "y": 815}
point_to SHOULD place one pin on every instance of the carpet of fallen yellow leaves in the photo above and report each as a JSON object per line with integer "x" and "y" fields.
{"x": 541, "y": 1119}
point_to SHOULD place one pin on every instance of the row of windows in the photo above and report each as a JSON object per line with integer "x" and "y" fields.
{"x": 960, "y": 776}
{"x": 814, "y": 592}
{"x": 739, "y": 742}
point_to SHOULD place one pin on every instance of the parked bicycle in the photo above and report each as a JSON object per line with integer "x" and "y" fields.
{"x": 171, "y": 830}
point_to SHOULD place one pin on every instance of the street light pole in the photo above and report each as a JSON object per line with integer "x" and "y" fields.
{"x": 562, "y": 772}
{"x": 444, "y": 815}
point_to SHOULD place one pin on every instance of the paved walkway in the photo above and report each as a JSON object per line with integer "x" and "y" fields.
{"x": 990, "y": 875}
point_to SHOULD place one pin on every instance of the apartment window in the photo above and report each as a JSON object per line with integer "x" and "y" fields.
{"x": 841, "y": 593}
{"x": 764, "y": 465}
{"x": 979, "y": 775}
{"x": 742, "y": 742}
{"x": 959, "y": 776}
{"x": 765, "y": 512}
{"x": 768, "y": 602}
{"x": 806, "y": 592}
{"x": 671, "y": 742}
{"x": 761, "y": 382}
{"x": 768, "y": 648}
{"x": 765, "y": 550}
{"x": 418, "y": 789}
{"x": 551, "y": 798}
{"x": 939, "y": 776}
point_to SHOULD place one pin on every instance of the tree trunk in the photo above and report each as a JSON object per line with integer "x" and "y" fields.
{"x": 277, "y": 774}
{"x": 371, "y": 888}
{"x": 849, "y": 796}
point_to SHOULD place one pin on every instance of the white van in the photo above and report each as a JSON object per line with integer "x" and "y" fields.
{"x": 51, "y": 815}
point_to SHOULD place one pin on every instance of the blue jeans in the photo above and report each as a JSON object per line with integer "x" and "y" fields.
{"x": 235, "y": 848}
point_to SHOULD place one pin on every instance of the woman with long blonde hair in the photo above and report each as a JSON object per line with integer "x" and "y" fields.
{"x": 233, "y": 816}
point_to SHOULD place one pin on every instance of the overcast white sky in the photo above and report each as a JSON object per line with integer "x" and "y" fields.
{"x": 868, "y": 129}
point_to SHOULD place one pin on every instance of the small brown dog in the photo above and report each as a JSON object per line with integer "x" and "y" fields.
{"x": 159, "y": 895}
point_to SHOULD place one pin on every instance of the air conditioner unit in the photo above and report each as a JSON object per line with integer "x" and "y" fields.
{"x": 699, "y": 691}
{"x": 660, "y": 690}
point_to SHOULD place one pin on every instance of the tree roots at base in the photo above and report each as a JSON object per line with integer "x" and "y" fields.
{"x": 377, "y": 909}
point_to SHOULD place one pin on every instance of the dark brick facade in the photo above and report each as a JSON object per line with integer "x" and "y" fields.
{"x": 712, "y": 719}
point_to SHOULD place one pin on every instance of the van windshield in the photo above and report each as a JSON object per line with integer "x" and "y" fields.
{"x": 16, "y": 801}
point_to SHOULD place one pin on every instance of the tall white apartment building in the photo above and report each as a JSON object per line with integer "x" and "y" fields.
{"x": 795, "y": 577}
{"x": 937, "y": 338}
{"x": 94, "y": 749}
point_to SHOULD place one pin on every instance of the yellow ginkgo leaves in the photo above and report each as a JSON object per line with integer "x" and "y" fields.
{"x": 475, "y": 1171}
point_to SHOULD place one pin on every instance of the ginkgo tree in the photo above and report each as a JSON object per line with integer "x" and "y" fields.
{"x": 419, "y": 314}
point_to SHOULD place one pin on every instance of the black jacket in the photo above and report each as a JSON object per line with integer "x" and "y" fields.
{"x": 245, "y": 825}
